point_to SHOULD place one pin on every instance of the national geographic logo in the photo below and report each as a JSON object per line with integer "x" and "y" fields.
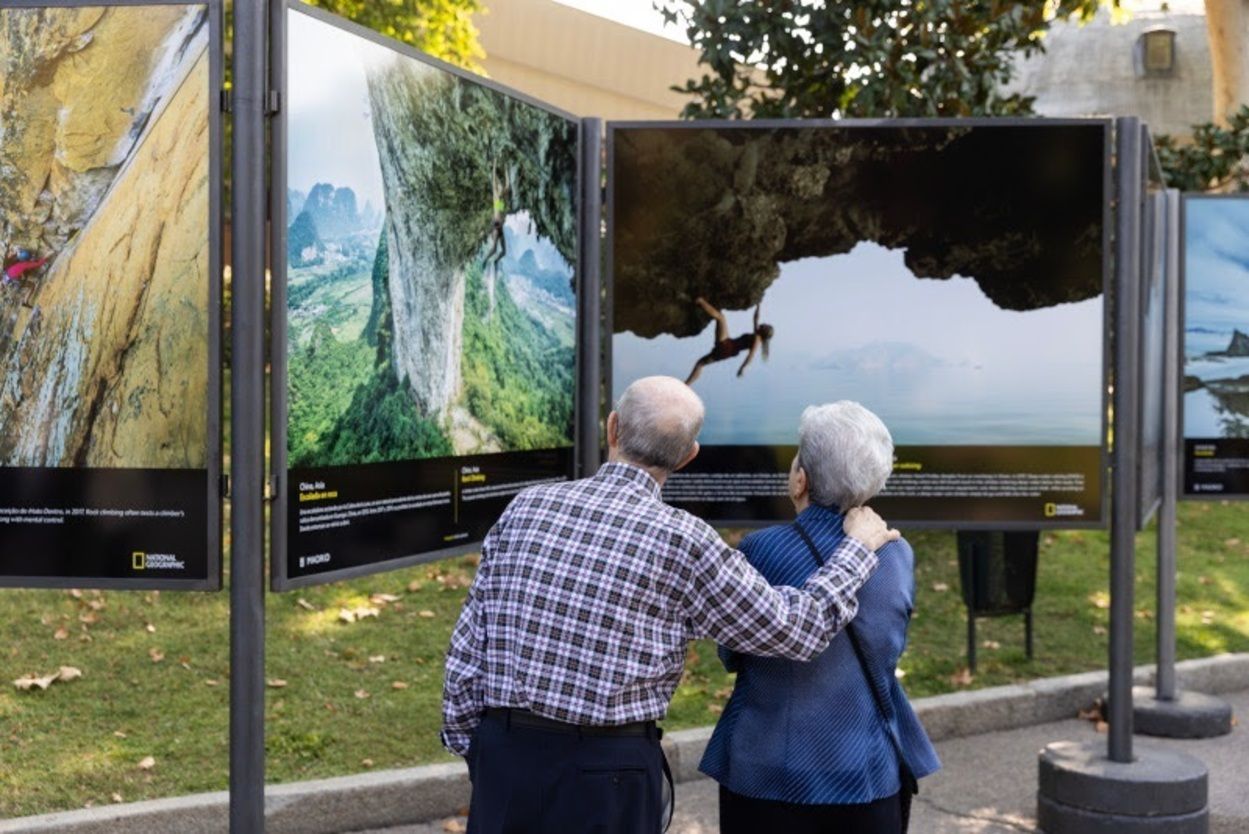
{"x": 1053, "y": 510}
{"x": 155, "y": 561}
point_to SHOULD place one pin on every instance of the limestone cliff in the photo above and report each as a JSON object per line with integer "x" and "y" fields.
{"x": 104, "y": 169}
{"x": 715, "y": 213}
{"x": 445, "y": 146}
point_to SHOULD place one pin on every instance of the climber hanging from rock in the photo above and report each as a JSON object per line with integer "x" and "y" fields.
{"x": 498, "y": 239}
{"x": 23, "y": 262}
{"x": 726, "y": 347}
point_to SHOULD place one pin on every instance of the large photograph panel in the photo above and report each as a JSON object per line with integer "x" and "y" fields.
{"x": 108, "y": 201}
{"x": 430, "y": 300}
{"x": 948, "y": 277}
{"x": 1216, "y": 346}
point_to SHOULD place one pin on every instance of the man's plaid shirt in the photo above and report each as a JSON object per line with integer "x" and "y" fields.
{"x": 588, "y": 592}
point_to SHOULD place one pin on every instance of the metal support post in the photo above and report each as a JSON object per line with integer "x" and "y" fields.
{"x": 247, "y": 589}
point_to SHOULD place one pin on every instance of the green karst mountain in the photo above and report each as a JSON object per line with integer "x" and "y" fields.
{"x": 303, "y": 244}
{"x": 448, "y": 150}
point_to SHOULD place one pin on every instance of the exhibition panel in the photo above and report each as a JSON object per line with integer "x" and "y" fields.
{"x": 110, "y": 205}
{"x": 1215, "y": 299}
{"x": 425, "y": 323}
{"x": 949, "y": 275}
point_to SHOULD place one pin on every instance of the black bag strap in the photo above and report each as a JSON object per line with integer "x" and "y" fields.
{"x": 909, "y": 782}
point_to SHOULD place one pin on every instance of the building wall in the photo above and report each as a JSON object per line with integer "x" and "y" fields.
{"x": 585, "y": 64}
{"x": 591, "y": 66}
{"x": 1091, "y": 70}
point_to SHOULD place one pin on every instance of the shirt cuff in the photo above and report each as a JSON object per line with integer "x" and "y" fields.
{"x": 456, "y": 742}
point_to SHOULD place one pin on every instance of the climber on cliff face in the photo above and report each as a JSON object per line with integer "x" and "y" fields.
{"x": 726, "y": 347}
{"x": 22, "y": 263}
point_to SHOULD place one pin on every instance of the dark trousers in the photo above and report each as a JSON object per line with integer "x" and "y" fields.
{"x": 744, "y": 815}
{"x": 529, "y": 780}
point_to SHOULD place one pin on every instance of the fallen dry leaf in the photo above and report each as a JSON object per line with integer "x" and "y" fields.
{"x": 88, "y": 618}
{"x": 147, "y": 763}
{"x": 149, "y": 628}
{"x": 211, "y": 682}
{"x": 940, "y": 587}
{"x": 1232, "y": 543}
{"x": 362, "y": 694}
{"x": 69, "y": 673}
{"x": 1100, "y": 600}
{"x": 61, "y": 633}
{"x": 1204, "y": 580}
{"x": 715, "y": 709}
{"x": 366, "y": 762}
{"x": 353, "y": 615}
{"x": 963, "y": 677}
{"x": 453, "y": 826}
{"x": 1103, "y": 727}
{"x": 426, "y": 614}
{"x": 276, "y": 683}
{"x": 116, "y": 797}
{"x": 1099, "y": 630}
{"x": 415, "y": 585}
{"x": 304, "y": 604}
{"x": 377, "y": 658}
{"x": 75, "y": 593}
{"x": 992, "y": 645}
{"x": 34, "y": 682}
{"x": 96, "y": 604}
{"x": 156, "y": 654}
{"x": 1207, "y": 617}
{"x": 382, "y": 599}
{"x": 119, "y": 733}
{"x": 399, "y": 685}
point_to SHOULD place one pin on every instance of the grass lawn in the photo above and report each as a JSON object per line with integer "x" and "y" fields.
{"x": 348, "y": 696}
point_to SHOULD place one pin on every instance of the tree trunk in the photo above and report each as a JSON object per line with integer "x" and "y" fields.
{"x": 1227, "y": 22}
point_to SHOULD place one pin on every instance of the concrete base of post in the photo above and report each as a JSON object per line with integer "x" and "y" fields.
{"x": 1188, "y": 715}
{"x": 1083, "y": 792}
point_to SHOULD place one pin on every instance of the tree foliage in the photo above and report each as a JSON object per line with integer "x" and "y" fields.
{"x": 869, "y": 58}
{"x": 1217, "y": 159}
{"x": 442, "y": 28}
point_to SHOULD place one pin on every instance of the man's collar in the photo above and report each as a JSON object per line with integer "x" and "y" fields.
{"x": 615, "y": 470}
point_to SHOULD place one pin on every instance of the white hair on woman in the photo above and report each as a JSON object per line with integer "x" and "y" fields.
{"x": 846, "y": 452}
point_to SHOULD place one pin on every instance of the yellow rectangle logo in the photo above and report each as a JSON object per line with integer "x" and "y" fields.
{"x": 138, "y": 560}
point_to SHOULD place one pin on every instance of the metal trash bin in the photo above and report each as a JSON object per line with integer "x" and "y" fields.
{"x": 997, "y": 572}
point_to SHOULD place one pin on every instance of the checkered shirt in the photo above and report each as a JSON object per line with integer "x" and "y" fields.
{"x": 588, "y": 592}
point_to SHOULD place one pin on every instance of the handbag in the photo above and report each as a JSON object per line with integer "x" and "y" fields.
{"x": 910, "y": 785}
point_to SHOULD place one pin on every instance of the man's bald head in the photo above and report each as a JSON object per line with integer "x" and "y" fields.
{"x": 658, "y": 419}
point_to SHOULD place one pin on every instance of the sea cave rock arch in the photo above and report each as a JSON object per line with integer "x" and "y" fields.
{"x": 715, "y": 212}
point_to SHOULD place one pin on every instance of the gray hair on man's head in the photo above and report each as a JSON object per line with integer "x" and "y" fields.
{"x": 658, "y": 421}
{"x": 846, "y": 452}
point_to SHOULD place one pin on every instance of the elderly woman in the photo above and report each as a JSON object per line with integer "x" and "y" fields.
{"x": 831, "y": 745}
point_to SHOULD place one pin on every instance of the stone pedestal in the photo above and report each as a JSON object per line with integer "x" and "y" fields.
{"x": 1083, "y": 792}
{"x": 1188, "y": 715}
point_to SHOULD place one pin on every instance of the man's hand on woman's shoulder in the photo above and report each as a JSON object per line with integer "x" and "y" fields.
{"x": 864, "y": 524}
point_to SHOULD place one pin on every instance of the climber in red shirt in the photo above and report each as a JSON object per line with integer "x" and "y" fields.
{"x": 15, "y": 271}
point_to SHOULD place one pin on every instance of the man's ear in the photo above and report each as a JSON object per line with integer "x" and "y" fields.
{"x": 688, "y": 458}
{"x": 613, "y": 430}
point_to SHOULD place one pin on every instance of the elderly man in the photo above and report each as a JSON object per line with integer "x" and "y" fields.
{"x": 573, "y": 637}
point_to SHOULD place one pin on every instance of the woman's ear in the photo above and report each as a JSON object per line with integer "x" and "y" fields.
{"x": 799, "y": 484}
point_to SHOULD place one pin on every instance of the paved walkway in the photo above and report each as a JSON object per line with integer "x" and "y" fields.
{"x": 988, "y": 783}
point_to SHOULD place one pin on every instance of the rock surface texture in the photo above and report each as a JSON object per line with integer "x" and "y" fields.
{"x": 705, "y": 212}
{"x": 104, "y": 169}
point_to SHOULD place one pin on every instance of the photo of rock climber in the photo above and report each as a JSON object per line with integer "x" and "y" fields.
{"x": 726, "y": 347}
